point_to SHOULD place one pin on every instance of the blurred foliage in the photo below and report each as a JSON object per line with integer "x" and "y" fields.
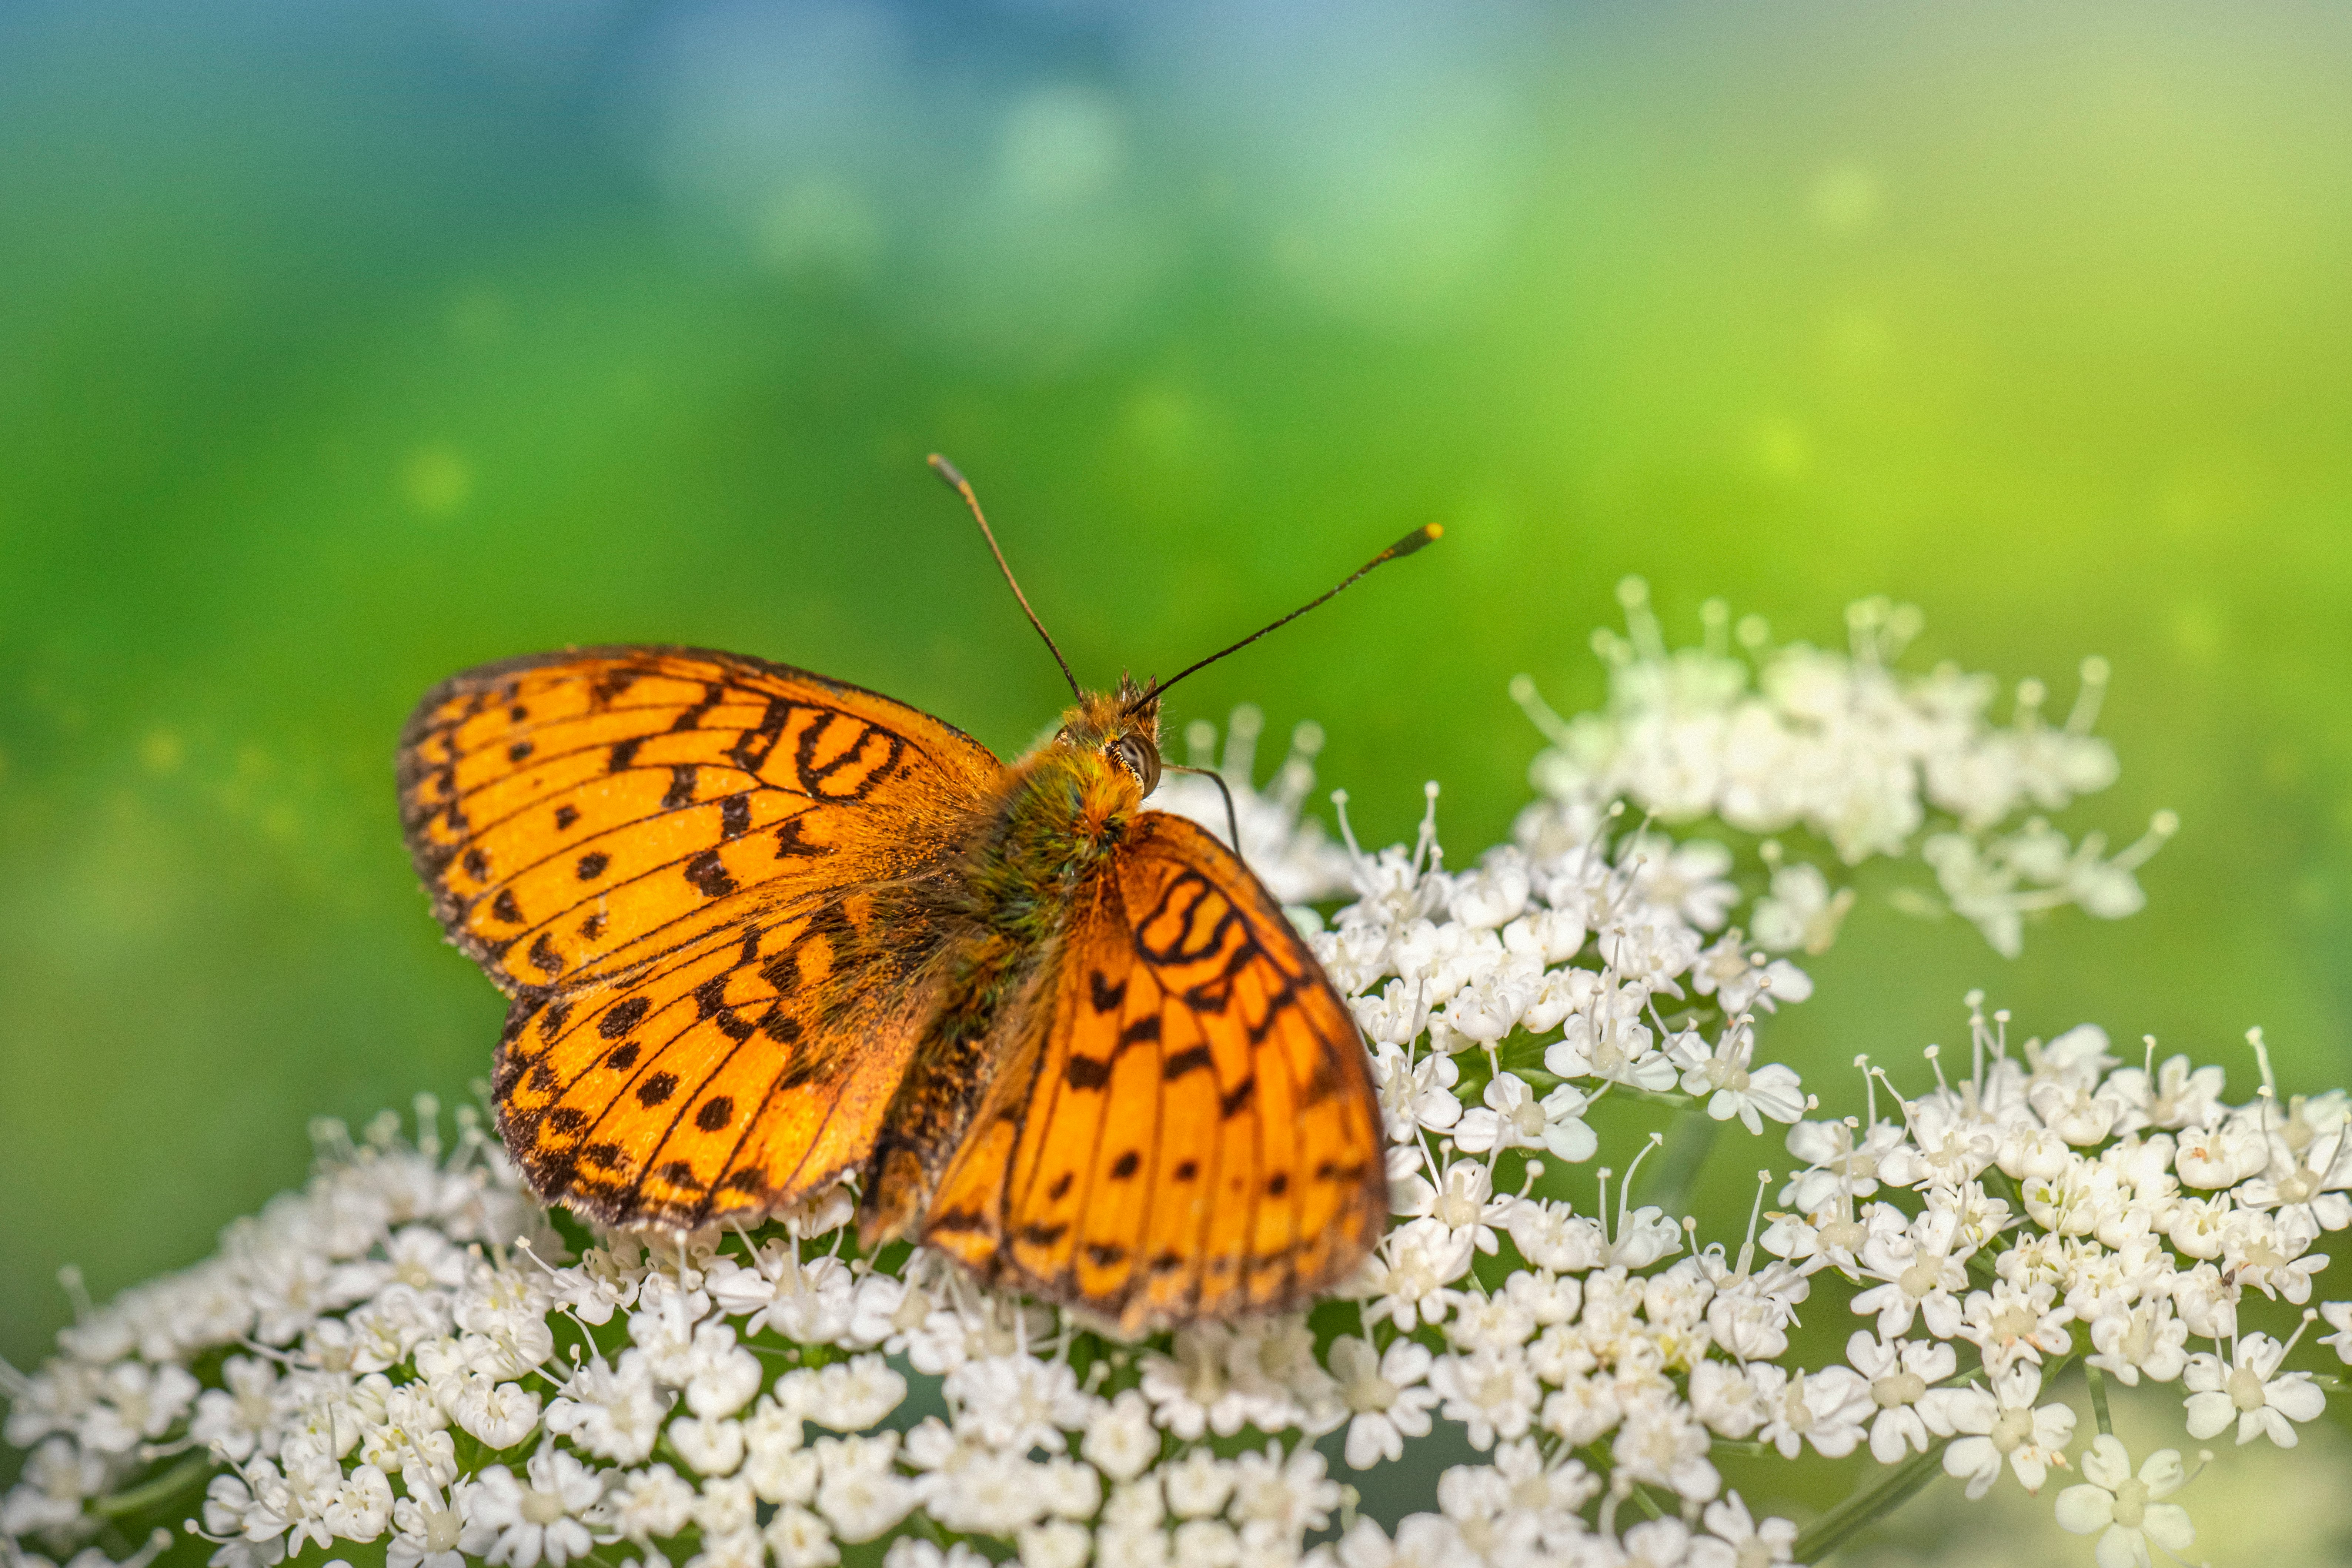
{"x": 343, "y": 347}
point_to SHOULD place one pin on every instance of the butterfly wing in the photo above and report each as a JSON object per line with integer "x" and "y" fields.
{"x": 1193, "y": 1131}
{"x": 705, "y": 880}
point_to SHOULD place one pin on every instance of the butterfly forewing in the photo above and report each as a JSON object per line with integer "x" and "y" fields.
{"x": 700, "y": 878}
{"x": 573, "y": 814}
{"x": 1199, "y": 1134}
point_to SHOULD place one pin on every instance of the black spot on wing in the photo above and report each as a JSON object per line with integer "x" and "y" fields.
{"x": 1188, "y": 1061}
{"x": 1105, "y": 997}
{"x": 708, "y": 874}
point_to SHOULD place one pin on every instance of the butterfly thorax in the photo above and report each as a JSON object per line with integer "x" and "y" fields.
{"x": 1061, "y": 815}
{"x": 1066, "y": 808}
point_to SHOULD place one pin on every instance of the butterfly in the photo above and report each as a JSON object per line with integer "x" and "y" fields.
{"x": 762, "y": 931}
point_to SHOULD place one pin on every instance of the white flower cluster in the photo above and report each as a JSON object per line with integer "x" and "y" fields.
{"x": 1863, "y": 756}
{"x": 409, "y": 1352}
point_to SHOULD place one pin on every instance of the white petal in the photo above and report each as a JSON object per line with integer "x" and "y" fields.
{"x": 2167, "y": 1524}
{"x": 2106, "y": 1463}
{"x": 2121, "y": 1548}
{"x": 2298, "y": 1400}
{"x": 2083, "y": 1508}
{"x": 2209, "y": 1414}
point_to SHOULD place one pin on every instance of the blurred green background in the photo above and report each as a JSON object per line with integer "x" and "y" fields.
{"x": 345, "y": 345}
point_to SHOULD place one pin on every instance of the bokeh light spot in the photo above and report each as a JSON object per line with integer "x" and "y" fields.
{"x": 437, "y": 482}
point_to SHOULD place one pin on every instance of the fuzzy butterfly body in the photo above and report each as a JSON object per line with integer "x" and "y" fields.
{"x": 761, "y": 930}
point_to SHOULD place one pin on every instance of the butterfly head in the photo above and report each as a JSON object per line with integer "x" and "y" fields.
{"x": 1122, "y": 727}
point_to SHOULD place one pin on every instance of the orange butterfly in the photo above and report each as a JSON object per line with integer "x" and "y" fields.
{"x": 762, "y": 929}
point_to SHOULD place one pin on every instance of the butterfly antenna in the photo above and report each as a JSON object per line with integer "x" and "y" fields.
{"x": 1427, "y": 533}
{"x": 962, "y": 487}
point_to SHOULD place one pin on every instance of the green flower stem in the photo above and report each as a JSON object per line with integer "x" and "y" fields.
{"x": 2099, "y": 1401}
{"x": 162, "y": 1489}
{"x": 1869, "y": 1505}
{"x": 1679, "y": 1162}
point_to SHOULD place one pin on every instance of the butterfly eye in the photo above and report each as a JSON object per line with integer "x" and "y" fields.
{"x": 1139, "y": 757}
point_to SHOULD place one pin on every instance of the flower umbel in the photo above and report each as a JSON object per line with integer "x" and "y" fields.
{"x": 410, "y": 1350}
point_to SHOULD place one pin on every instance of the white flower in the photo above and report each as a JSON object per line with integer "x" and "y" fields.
{"x": 1017, "y": 1402}
{"x": 1800, "y": 911}
{"x": 1198, "y": 1484}
{"x": 1415, "y": 1094}
{"x": 1462, "y": 1200}
{"x": 251, "y": 1412}
{"x": 859, "y": 1493}
{"x": 725, "y": 1374}
{"x": 1488, "y": 1007}
{"x": 726, "y": 1506}
{"x": 2006, "y": 1323}
{"x": 1492, "y": 1391}
{"x": 1725, "y": 1077}
{"x": 1826, "y": 1408}
{"x": 1121, "y": 1442}
{"x": 1513, "y": 1118}
{"x": 2179, "y": 1095}
{"x": 914, "y": 1552}
{"x": 1900, "y": 1373}
{"x": 541, "y": 1520}
{"x": 714, "y": 1446}
{"x": 2252, "y": 1390}
{"x": 2127, "y": 1510}
{"x": 58, "y": 1476}
{"x": 799, "y": 1539}
{"x": 1753, "y": 1545}
{"x": 2000, "y": 1424}
{"x": 1412, "y": 1275}
{"x": 1385, "y": 1393}
{"x": 1919, "y": 1266}
{"x": 430, "y": 1533}
{"x": 136, "y": 1401}
{"x": 2128, "y": 1340}
{"x": 648, "y": 1504}
{"x": 2339, "y": 1318}
{"x": 497, "y": 1414}
{"x": 1422, "y": 1540}
{"x": 1610, "y": 1042}
{"x": 1056, "y": 1544}
{"x": 1839, "y": 1164}
{"x": 612, "y": 1412}
{"x": 1478, "y": 1501}
{"x": 852, "y": 1395}
{"x": 1658, "y": 1444}
{"x": 1193, "y": 1390}
{"x": 1286, "y": 1495}
{"x": 2221, "y": 1155}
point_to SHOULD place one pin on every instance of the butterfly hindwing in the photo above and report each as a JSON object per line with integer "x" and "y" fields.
{"x": 1199, "y": 1134}
{"x": 733, "y": 1078}
{"x": 702, "y": 879}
